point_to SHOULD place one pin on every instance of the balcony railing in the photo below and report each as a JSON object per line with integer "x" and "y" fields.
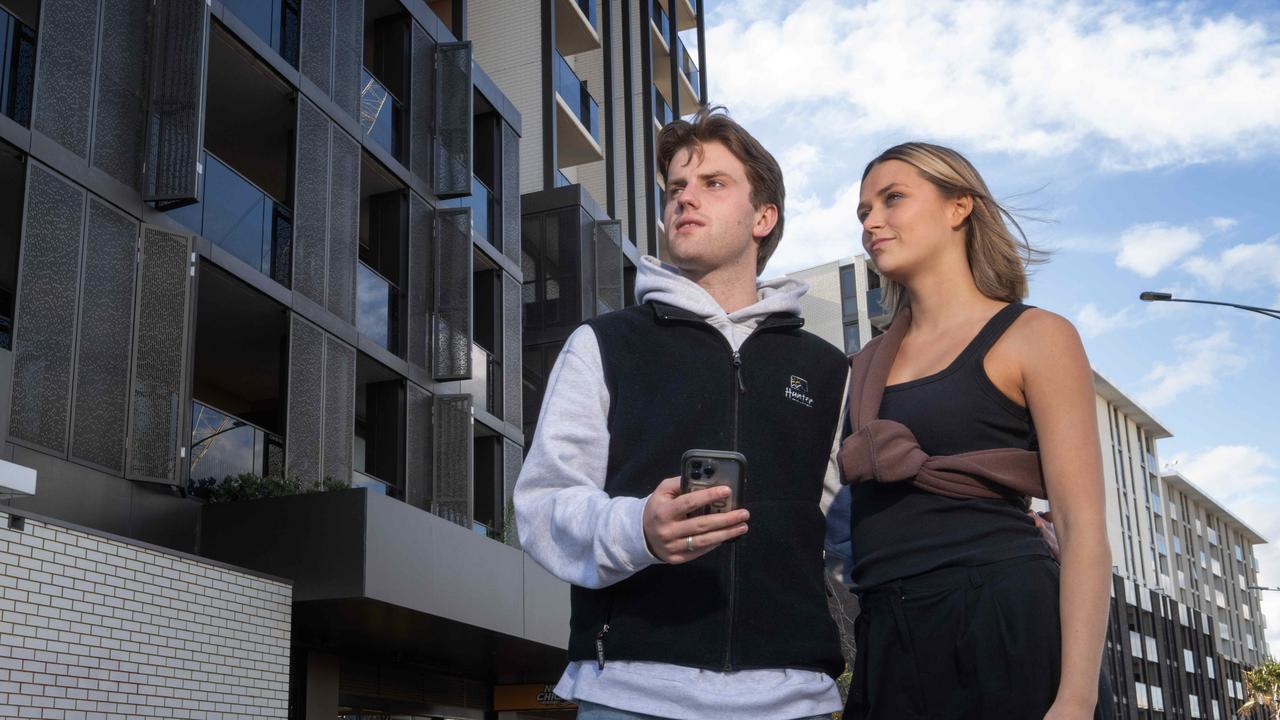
{"x": 483, "y": 210}
{"x": 659, "y": 201}
{"x": 275, "y": 21}
{"x": 574, "y": 92}
{"x": 17, "y": 67}
{"x": 377, "y": 308}
{"x": 223, "y": 445}
{"x": 485, "y": 385}
{"x": 381, "y": 115}
{"x": 375, "y": 485}
{"x": 661, "y": 110}
{"x": 661, "y": 20}
{"x": 688, "y": 66}
{"x": 242, "y": 219}
{"x": 588, "y": 8}
{"x": 562, "y": 180}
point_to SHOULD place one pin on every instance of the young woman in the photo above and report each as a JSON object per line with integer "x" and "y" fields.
{"x": 969, "y": 405}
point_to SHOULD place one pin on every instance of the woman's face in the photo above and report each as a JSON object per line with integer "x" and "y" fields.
{"x": 906, "y": 220}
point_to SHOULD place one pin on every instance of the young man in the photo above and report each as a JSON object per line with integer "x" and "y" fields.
{"x": 715, "y": 616}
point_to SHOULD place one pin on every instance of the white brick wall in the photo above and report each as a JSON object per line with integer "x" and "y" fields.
{"x": 94, "y": 627}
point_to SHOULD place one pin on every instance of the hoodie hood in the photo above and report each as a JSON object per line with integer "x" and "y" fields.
{"x": 657, "y": 281}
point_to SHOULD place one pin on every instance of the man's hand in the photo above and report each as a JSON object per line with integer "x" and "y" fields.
{"x": 668, "y": 530}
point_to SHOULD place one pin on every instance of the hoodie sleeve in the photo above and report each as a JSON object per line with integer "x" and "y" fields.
{"x": 565, "y": 520}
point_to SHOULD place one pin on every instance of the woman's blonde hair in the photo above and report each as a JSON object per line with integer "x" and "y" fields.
{"x": 998, "y": 257}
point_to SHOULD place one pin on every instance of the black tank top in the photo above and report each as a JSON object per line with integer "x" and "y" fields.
{"x": 898, "y": 530}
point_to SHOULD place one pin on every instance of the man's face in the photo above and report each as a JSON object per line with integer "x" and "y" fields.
{"x": 708, "y": 213}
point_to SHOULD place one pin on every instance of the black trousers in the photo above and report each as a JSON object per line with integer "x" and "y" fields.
{"x": 964, "y": 643}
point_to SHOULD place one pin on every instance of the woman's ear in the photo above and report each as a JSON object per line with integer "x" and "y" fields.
{"x": 961, "y": 209}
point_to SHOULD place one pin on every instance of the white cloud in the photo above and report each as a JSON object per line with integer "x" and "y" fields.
{"x": 1240, "y": 267}
{"x": 1228, "y": 470}
{"x": 1198, "y": 363}
{"x": 1093, "y": 321}
{"x": 1223, "y": 224}
{"x": 1137, "y": 85}
{"x": 1149, "y": 248}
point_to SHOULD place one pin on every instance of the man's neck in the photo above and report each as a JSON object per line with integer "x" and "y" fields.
{"x": 732, "y": 287}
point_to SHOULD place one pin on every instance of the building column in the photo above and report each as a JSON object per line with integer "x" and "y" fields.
{"x": 322, "y": 686}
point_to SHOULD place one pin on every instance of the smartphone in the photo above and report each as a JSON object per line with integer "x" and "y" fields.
{"x": 702, "y": 469}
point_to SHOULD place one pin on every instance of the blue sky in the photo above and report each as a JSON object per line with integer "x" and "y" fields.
{"x": 1145, "y": 135}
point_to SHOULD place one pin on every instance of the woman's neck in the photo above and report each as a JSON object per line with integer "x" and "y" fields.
{"x": 942, "y": 299}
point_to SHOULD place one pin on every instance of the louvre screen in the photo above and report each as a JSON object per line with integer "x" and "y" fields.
{"x": 451, "y": 482}
{"x": 311, "y": 203}
{"x": 67, "y": 42}
{"x": 608, "y": 266}
{"x": 421, "y": 225}
{"x": 422, "y": 75}
{"x": 122, "y": 70}
{"x": 417, "y": 490}
{"x": 512, "y": 349}
{"x": 452, "y": 170}
{"x": 46, "y": 310}
{"x": 306, "y": 402}
{"x": 339, "y": 408}
{"x": 101, "y": 398}
{"x": 175, "y": 109}
{"x": 158, "y": 390}
{"x": 451, "y": 295}
{"x": 510, "y": 193}
{"x": 344, "y": 224}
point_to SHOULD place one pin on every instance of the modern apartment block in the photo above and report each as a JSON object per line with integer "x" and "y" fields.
{"x": 267, "y": 246}
{"x": 1185, "y": 620}
{"x": 594, "y": 81}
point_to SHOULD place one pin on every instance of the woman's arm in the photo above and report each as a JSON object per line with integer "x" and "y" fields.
{"x": 1058, "y": 384}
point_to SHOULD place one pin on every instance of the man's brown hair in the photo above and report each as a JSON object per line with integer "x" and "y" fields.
{"x": 713, "y": 124}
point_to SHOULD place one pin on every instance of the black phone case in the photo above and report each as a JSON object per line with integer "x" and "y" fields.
{"x": 729, "y": 469}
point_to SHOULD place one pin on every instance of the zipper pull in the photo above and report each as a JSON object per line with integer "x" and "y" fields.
{"x": 737, "y": 372}
{"x": 600, "y": 645}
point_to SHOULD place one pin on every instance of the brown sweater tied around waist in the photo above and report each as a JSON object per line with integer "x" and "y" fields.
{"x": 887, "y": 451}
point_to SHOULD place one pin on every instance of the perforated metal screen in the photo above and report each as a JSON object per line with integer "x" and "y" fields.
{"x": 348, "y": 37}
{"x": 339, "y": 407}
{"x": 422, "y": 75}
{"x": 175, "y": 127}
{"x": 451, "y": 295}
{"x": 453, "y": 101}
{"x": 311, "y": 203}
{"x": 417, "y": 491}
{"x": 101, "y": 398}
{"x": 510, "y": 193}
{"x": 305, "y": 402}
{"x": 512, "y": 350}
{"x": 66, "y": 43}
{"x": 119, "y": 116}
{"x": 451, "y": 483}
{"x": 46, "y": 309}
{"x": 344, "y": 224}
{"x": 421, "y": 226}
{"x": 609, "y": 295}
{"x": 315, "y": 58}
{"x": 158, "y": 390}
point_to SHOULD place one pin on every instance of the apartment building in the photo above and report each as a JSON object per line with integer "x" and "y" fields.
{"x": 1185, "y": 620}
{"x": 272, "y": 247}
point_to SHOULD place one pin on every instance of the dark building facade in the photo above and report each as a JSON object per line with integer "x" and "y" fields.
{"x": 275, "y": 245}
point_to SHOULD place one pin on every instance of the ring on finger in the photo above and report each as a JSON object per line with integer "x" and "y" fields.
{"x": 688, "y": 543}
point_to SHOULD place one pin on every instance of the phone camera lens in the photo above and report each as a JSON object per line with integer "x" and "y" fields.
{"x": 695, "y": 475}
{"x": 709, "y": 471}
{"x": 696, "y": 464}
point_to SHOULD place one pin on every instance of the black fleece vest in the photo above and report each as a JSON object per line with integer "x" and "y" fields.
{"x": 675, "y": 384}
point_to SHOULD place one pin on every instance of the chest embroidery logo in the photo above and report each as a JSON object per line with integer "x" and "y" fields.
{"x": 798, "y": 391}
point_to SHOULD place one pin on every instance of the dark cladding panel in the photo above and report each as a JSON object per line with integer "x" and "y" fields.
{"x": 347, "y": 44}
{"x": 609, "y": 295}
{"x": 512, "y": 350}
{"x": 344, "y": 224}
{"x": 452, "y": 169}
{"x": 306, "y": 402}
{"x": 512, "y": 461}
{"x": 119, "y": 117}
{"x": 339, "y": 408}
{"x": 101, "y": 399}
{"x": 451, "y": 483}
{"x": 316, "y": 55}
{"x": 510, "y": 193}
{"x": 451, "y": 295}
{"x": 67, "y": 40}
{"x": 422, "y": 75}
{"x": 46, "y": 310}
{"x": 311, "y": 202}
{"x": 158, "y": 389}
{"x": 417, "y": 488}
{"x": 175, "y": 129}
{"x": 421, "y": 224}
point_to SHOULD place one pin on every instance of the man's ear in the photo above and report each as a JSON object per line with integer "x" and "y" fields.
{"x": 766, "y": 217}
{"x": 961, "y": 209}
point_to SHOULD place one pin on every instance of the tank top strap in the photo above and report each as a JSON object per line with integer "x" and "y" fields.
{"x": 994, "y": 329}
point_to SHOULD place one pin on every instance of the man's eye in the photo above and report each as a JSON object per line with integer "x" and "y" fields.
{"x": 715, "y": 183}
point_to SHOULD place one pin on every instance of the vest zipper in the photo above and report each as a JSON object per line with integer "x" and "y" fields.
{"x": 737, "y": 390}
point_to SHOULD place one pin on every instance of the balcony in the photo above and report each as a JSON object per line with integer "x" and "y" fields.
{"x": 484, "y": 210}
{"x": 688, "y": 74}
{"x": 662, "y": 114}
{"x": 577, "y": 119}
{"x": 223, "y": 445}
{"x": 381, "y": 115}
{"x": 661, "y": 22}
{"x": 275, "y": 21}
{"x": 17, "y": 67}
{"x": 373, "y": 484}
{"x": 239, "y": 217}
{"x": 485, "y": 384}
{"x": 377, "y": 308}
{"x": 659, "y": 204}
{"x": 576, "y": 26}
{"x": 688, "y": 14}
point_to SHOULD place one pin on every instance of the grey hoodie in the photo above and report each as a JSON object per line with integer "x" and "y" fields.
{"x": 581, "y": 535}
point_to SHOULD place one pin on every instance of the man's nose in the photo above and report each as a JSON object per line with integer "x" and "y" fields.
{"x": 688, "y": 196}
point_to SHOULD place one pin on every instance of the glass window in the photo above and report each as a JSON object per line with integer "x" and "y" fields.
{"x": 851, "y": 342}
{"x": 1188, "y": 660}
{"x": 1140, "y": 695}
{"x": 1152, "y": 654}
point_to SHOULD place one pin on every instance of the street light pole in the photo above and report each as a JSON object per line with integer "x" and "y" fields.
{"x": 1260, "y": 587}
{"x": 1150, "y": 296}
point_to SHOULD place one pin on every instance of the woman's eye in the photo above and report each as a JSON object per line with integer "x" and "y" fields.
{"x": 893, "y": 196}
